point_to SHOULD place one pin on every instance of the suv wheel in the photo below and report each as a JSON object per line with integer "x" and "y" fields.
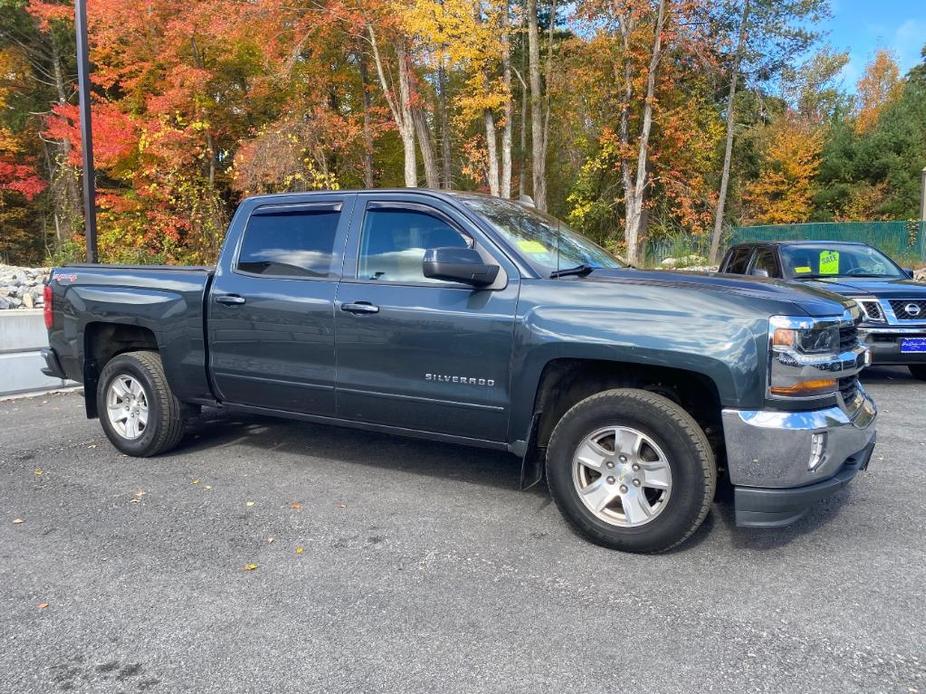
{"x": 631, "y": 470}
{"x": 139, "y": 413}
{"x": 918, "y": 371}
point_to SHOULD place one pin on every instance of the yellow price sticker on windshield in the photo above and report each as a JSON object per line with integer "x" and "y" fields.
{"x": 829, "y": 262}
{"x": 529, "y": 246}
{"x": 803, "y": 270}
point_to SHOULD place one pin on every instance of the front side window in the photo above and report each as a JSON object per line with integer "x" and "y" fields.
{"x": 765, "y": 261}
{"x": 394, "y": 241}
{"x": 739, "y": 261}
{"x": 290, "y": 243}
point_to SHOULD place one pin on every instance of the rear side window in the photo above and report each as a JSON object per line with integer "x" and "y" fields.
{"x": 739, "y": 261}
{"x": 394, "y": 241}
{"x": 290, "y": 243}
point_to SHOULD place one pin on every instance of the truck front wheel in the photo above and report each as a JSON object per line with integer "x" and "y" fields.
{"x": 631, "y": 470}
{"x": 138, "y": 411}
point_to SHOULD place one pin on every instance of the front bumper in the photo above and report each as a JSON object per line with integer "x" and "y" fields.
{"x": 780, "y": 462}
{"x": 883, "y": 342}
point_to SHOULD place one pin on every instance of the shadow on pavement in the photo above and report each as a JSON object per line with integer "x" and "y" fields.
{"x": 216, "y": 429}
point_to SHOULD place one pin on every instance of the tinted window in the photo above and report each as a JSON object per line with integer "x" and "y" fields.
{"x": 394, "y": 241}
{"x": 290, "y": 243}
{"x": 765, "y": 260}
{"x": 739, "y": 261}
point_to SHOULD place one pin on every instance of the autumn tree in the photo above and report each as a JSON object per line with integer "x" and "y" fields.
{"x": 783, "y": 192}
{"x": 767, "y": 35}
{"x": 878, "y": 86}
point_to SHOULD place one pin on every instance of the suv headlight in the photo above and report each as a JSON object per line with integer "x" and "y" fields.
{"x": 804, "y": 361}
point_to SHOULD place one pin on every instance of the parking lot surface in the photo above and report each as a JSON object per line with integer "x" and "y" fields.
{"x": 272, "y": 556}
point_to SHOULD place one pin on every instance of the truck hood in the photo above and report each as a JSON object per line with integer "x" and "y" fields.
{"x": 882, "y": 287}
{"x": 816, "y": 301}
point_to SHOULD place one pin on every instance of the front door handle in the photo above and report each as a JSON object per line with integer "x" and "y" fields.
{"x": 360, "y": 307}
{"x": 230, "y": 299}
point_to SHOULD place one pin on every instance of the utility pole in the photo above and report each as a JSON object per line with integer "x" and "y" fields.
{"x": 86, "y": 132}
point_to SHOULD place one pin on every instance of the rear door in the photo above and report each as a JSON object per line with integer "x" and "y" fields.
{"x": 271, "y": 309}
{"x": 414, "y": 352}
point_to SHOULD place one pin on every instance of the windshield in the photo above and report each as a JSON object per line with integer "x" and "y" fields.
{"x": 544, "y": 240}
{"x": 836, "y": 260}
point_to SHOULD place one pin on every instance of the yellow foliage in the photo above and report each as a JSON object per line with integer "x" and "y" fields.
{"x": 784, "y": 190}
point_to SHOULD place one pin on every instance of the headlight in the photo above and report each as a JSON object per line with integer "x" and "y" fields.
{"x": 803, "y": 357}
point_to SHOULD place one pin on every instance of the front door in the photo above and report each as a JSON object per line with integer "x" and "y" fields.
{"x": 271, "y": 308}
{"x": 414, "y": 352}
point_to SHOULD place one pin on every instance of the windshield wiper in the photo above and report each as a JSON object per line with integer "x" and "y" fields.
{"x": 579, "y": 271}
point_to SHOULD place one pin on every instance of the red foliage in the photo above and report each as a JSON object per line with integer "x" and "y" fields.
{"x": 114, "y": 133}
{"x": 20, "y": 178}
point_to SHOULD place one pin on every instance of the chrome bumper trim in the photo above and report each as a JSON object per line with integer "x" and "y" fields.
{"x": 772, "y": 448}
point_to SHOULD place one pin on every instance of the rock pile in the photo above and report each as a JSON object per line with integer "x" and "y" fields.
{"x": 21, "y": 287}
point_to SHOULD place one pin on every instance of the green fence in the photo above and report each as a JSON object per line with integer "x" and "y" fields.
{"x": 905, "y": 242}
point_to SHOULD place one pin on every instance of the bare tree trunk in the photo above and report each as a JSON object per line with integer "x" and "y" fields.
{"x": 66, "y": 194}
{"x": 400, "y": 106}
{"x": 367, "y": 132}
{"x": 547, "y": 81}
{"x": 444, "y": 125}
{"x": 633, "y": 224}
{"x": 492, "y": 151}
{"x": 423, "y": 131}
{"x": 505, "y": 184}
{"x": 626, "y": 27}
{"x": 538, "y": 162}
{"x": 728, "y": 148}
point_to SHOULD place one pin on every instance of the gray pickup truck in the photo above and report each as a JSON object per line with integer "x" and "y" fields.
{"x": 479, "y": 321}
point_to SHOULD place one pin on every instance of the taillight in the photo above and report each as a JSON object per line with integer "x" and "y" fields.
{"x": 47, "y": 295}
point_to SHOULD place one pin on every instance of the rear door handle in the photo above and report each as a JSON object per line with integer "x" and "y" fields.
{"x": 230, "y": 299}
{"x": 360, "y": 307}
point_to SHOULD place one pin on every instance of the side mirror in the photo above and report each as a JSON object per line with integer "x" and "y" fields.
{"x": 908, "y": 271}
{"x": 458, "y": 265}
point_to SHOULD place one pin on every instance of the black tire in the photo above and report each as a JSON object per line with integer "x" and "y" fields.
{"x": 918, "y": 371}
{"x": 686, "y": 448}
{"x": 164, "y": 428}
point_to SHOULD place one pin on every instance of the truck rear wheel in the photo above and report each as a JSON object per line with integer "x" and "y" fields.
{"x": 138, "y": 411}
{"x": 631, "y": 470}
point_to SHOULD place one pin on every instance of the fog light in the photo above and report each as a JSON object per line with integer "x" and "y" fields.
{"x": 817, "y": 450}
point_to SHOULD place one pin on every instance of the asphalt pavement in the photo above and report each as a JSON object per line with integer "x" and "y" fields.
{"x": 273, "y": 556}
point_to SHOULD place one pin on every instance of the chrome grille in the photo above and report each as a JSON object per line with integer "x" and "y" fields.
{"x": 848, "y": 387}
{"x": 901, "y": 308}
{"x": 848, "y": 337}
{"x": 873, "y": 310}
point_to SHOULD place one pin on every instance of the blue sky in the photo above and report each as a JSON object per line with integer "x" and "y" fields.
{"x": 865, "y": 26}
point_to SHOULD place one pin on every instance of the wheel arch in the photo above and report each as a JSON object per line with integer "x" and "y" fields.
{"x": 103, "y": 341}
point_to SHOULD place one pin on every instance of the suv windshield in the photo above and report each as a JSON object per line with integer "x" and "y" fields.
{"x": 836, "y": 260}
{"x": 548, "y": 243}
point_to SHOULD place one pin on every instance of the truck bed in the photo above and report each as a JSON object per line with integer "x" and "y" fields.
{"x": 160, "y": 303}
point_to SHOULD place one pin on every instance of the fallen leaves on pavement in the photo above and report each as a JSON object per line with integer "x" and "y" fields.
{"x": 250, "y": 567}
{"x": 300, "y": 549}
{"x": 296, "y": 506}
{"x": 42, "y": 605}
{"x": 17, "y": 521}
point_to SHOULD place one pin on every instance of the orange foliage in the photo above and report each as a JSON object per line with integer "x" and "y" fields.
{"x": 783, "y": 192}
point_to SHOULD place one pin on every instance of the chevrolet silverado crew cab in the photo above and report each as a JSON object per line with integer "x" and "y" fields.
{"x": 479, "y": 321}
{"x": 893, "y": 305}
